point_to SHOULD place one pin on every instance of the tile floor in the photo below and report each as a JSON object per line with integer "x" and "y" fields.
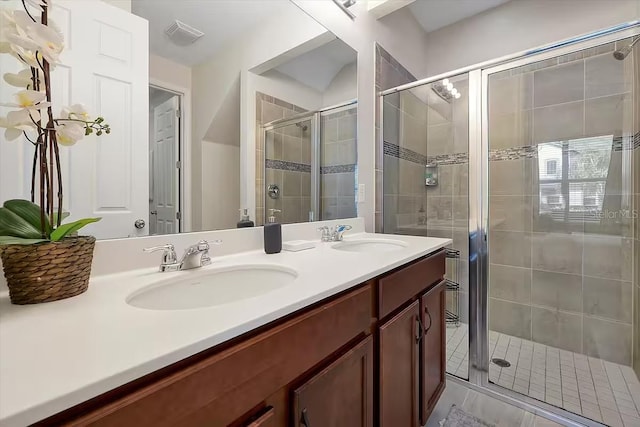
{"x": 597, "y": 389}
{"x": 485, "y": 407}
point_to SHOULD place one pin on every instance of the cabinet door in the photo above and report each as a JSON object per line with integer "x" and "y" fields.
{"x": 433, "y": 351}
{"x": 341, "y": 395}
{"x": 399, "y": 356}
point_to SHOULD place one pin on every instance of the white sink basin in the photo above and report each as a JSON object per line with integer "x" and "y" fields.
{"x": 212, "y": 287}
{"x": 370, "y": 245}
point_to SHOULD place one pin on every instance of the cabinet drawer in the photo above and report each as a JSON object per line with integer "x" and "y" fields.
{"x": 221, "y": 388}
{"x": 406, "y": 283}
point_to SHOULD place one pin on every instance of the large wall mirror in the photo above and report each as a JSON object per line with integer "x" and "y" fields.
{"x": 215, "y": 106}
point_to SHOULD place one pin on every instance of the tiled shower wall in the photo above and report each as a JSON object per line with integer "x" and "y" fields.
{"x": 566, "y": 283}
{"x": 338, "y": 164}
{"x": 389, "y": 73}
{"x": 288, "y": 161}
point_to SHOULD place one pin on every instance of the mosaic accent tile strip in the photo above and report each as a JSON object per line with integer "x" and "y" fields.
{"x": 636, "y": 141}
{"x": 287, "y": 166}
{"x": 404, "y": 153}
{"x": 448, "y": 159}
{"x": 326, "y": 170}
{"x": 514, "y": 153}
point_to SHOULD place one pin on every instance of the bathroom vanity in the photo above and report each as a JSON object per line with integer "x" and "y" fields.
{"x": 357, "y": 338}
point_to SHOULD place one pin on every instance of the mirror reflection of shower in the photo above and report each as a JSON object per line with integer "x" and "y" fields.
{"x": 623, "y": 52}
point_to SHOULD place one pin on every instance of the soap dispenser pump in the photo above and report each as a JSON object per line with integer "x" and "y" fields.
{"x": 244, "y": 219}
{"x": 272, "y": 234}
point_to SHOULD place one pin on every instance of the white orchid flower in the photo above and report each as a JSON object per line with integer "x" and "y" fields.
{"x": 69, "y": 133}
{"x": 76, "y": 111}
{"x": 27, "y": 37}
{"x": 29, "y": 99}
{"x": 18, "y": 122}
{"x": 22, "y": 79}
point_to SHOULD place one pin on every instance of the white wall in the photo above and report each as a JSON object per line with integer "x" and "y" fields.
{"x": 212, "y": 79}
{"x": 521, "y": 25}
{"x": 283, "y": 87}
{"x": 343, "y": 87}
{"x": 122, "y": 4}
{"x": 220, "y": 183}
{"x": 167, "y": 71}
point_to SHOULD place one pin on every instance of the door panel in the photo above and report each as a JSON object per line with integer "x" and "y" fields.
{"x": 341, "y": 395}
{"x": 399, "y": 341}
{"x": 165, "y": 178}
{"x": 433, "y": 366}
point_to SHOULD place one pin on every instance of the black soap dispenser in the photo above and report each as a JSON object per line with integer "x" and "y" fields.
{"x": 244, "y": 219}
{"x": 272, "y": 234}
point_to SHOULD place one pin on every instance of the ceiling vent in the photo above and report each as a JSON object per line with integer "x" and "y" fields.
{"x": 183, "y": 34}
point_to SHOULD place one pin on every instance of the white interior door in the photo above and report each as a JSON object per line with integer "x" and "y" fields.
{"x": 163, "y": 216}
{"x": 104, "y": 66}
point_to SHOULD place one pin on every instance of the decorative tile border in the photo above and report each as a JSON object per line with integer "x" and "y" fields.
{"x": 514, "y": 153}
{"x": 636, "y": 141}
{"x": 404, "y": 153}
{"x": 326, "y": 170}
{"x": 448, "y": 159}
{"x": 287, "y": 166}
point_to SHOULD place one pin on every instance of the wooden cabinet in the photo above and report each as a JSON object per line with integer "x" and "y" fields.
{"x": 374, "y": 355}
{"x": 433, "y": 349}
{"x": 399, "y": 362}
{"x": 341, "y": 395}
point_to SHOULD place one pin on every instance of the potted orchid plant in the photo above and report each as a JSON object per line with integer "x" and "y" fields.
{"x": 43, "y": 259}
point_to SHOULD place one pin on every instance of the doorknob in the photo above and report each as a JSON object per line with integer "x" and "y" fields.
{"x": 154, "y": 212}
{"x": 139, "y": 224}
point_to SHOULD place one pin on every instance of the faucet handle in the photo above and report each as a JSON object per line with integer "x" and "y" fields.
{"x": 326, "y": 233}
{"x": 204, "y": 246}
{"x": 341, "y": 228}
{"x": 169, "y": 256}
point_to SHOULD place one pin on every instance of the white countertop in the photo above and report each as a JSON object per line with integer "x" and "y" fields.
{"x": 56, "y": 355}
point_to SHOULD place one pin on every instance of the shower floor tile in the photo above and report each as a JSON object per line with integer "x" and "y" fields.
{"x": 603, "y": 391}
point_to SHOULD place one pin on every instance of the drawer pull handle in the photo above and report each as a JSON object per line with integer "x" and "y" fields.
{"x": 420, "y": 330}
{"x": 268, "y": 414}
{"x": 305, "y": 418}
{"x": 426, "y": 310}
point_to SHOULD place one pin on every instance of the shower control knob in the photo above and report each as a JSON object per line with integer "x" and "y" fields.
{"x": 139, "y": 224}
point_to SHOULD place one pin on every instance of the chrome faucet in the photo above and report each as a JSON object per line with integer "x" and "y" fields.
{"x": 194, "y": 256}
{"x": 333, "y": 234}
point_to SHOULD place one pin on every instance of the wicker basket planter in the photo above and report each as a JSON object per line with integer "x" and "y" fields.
{"x": 47, "y": 271}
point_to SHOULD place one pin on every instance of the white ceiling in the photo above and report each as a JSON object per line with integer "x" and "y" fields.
{"x": 220, "y": 20}
{"x": 318, "y": 67}
{"x": 435, "y": 14}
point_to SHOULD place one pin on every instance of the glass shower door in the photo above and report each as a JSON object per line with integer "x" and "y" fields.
{"x": 560, "y": 228}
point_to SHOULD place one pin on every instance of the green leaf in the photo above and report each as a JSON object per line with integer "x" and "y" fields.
{"x": 55, "y": 216}
{"x": 28, "y": 211}
{"x": 14, "y": 225}
{"x": 10, "y": 240}
{"x": 72, "y": 227}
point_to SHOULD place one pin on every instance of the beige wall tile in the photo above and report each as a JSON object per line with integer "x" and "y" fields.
{"x": 608, "y": 256}
{"x": 557, "y": 329}
{"x": 557, "y": 252}
{"x": 605, "y": 76}
{"x": 557, "y": 85}
{"x": 611, "y": 299}
{"x": 511, "y": 213}
{"x": 510, "y": 248}
{"x": 509, "y": 178}
{"x": 557, "y": 291}
{"x": 346, "y": 127}
{"x": 510, "y": 283}
{"x": 440, "y": 139}
{"x": 510, "y": 318}
{"x": 558, "y": 122}
{"x": 604, "y": 116}
{"x": 607, "y": 340}
{"x": 292, "y": 149}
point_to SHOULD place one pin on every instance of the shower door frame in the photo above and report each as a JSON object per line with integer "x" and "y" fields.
{"x": 478, "y": 75}
{"x": 479, "y": 336}
{"x": 316, "y": 134}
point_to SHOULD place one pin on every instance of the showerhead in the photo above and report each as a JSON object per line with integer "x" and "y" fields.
{"x": 303, "y": 127}
{"x": 623, "y": 52}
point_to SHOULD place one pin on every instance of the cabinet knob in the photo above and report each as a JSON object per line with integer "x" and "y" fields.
{"x": 304, "y": 419}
